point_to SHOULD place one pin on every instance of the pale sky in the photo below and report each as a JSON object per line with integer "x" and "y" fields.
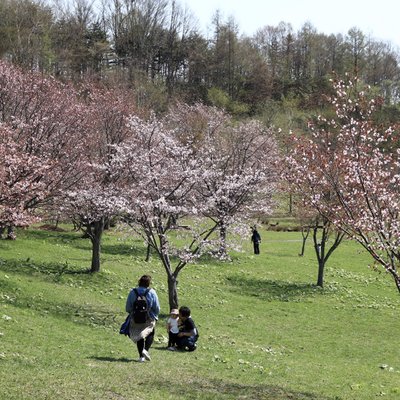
{"x": 378, "y": 19}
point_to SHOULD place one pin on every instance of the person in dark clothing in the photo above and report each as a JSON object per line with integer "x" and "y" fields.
{"x": 188, "y": 333}
{"x": 256, "y": 239}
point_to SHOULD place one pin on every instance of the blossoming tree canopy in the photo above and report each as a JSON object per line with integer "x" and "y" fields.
{"x": 239, "y": 160}
{"x": 349, "y": 171}
{"x": 22, "y": 181}
{"x": 47, "y": 120}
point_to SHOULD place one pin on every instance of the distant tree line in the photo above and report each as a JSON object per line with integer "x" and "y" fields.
{"x": 155, "y": 47}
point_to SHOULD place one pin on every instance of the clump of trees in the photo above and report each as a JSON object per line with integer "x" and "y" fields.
{"x": 86, "y": 154}
{"x": 43, "y": 128}
{"x": 347, "y": 171}
{"x": 197, "y": 163}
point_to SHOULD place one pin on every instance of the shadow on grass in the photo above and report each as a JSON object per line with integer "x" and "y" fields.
{"x": 218, "y": 389}
{"x": 113, "y": 359}
{"x": 274, "y": 290}
{"x": 75, "y": 239}
{"x": 124, "y": 249}
{"x": 28, "y": 267}
{"x": 83, "y": 314}
{"x": 38, "y": 234}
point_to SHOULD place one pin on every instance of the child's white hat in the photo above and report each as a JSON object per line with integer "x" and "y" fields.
{"x": 174, "y": 311}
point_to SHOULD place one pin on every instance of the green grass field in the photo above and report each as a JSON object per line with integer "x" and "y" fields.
{"x": 266, "y": 331}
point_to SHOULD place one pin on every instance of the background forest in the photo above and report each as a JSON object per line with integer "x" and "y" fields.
{"x": 155, "y": 48}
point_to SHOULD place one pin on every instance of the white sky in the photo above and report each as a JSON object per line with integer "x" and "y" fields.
{"x": 378, "y": 19}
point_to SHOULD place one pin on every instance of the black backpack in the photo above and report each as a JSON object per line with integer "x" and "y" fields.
{"x": 140, "y": 310}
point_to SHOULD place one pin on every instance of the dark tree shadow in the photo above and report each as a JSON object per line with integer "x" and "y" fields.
{"x": 274, "y": 290}
{"x": 80, "y": 313}
{"x": 124, "y": 249}
{"x": 112, "y": 359}
{"x": 83, "y": 314}
{"x": 50, "y": 235}
{"x": 76, "y": 240}
{"x": 218, "y": 389}
{"x": 28, "y": 267}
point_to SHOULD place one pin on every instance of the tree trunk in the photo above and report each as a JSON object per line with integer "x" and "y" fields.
{"x": 396, "y": 278}
{"x": 303, "y": 247}
{"x": 148, "y": 251}
{"x": 321, "y": 251}
{"x": 304, "y": 234}
{"x": 10, "y": 233}
{"x": 95, "y": 267}
{"x": 96, "y": 232}
{"x": 222, "y": 238}
{"x": 173, "y": 291}
{"x": 172, "y": 277}
{"x": 321, "y": 267}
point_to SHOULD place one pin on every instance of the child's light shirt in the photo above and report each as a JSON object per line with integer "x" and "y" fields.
{"x": 173, "y": 323}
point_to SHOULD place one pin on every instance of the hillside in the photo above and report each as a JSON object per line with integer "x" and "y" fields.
{"x": 266, "y": 332}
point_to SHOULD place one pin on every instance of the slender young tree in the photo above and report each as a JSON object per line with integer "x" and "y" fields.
{"x": 326, "y": 240}
{"x": 325, "y": 236}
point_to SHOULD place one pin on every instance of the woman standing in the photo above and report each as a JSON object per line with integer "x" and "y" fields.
{"x": 256, "y": 239}
{"x": 144, "y": 300}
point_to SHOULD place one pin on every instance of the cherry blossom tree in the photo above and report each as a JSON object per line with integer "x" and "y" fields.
{"x": 239, "y": 165}
{"x": 90, "y": 210}
{"x": 240, "y": 176}
{"x": 42, "y": 136}
{"x": 94, "y": 201}
{"x": 348, "y": 170}
{"x": 160, "y": 175}
{"x": 67, "y": 135}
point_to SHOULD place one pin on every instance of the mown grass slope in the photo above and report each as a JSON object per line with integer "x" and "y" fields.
{"x": 266, "y": 331}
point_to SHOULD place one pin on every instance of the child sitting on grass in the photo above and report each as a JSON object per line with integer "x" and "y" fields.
{"x": 188, "y": 333}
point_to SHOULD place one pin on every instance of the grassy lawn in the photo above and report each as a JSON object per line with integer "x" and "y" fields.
{"x": 266, "y": 332}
